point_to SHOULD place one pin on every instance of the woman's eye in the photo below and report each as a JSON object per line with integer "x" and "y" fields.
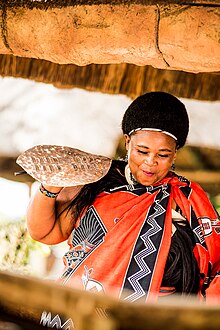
{"x": 163, "y": 156}
{"x": 142, "y": 152}
{"x": 146, "y": 152}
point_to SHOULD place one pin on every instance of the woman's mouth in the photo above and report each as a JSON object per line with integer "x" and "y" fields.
{"x": 149, "y": 174}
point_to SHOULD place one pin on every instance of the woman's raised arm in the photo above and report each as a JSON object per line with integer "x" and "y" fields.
{"x": 44, "y": 221}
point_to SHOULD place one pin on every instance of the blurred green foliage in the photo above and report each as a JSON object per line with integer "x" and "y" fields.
{"x": 15, "y": 247}
{"x": 216, "y": 202}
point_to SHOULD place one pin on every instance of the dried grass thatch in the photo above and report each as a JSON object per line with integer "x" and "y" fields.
{"x": 128, "y": 79}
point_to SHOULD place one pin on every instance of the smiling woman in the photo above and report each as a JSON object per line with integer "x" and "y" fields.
{"x": 158, "y": 232}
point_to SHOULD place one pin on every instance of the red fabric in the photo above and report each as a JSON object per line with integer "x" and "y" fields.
{"x": 135, "y": 226}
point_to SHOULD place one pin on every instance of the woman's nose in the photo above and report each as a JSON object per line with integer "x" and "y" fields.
{"x": 150, "y": 160}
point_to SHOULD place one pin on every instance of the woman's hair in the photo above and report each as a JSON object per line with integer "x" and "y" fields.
{"x": 158, "y": 110}
{"x": 181, "y": 268}
{"x": 86, "y": 196}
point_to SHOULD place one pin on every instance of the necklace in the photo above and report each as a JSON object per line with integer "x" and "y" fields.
{"x": 128, "y": 175}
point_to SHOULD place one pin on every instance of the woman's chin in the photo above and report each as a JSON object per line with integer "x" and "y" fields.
{"x": 149, "y": 181}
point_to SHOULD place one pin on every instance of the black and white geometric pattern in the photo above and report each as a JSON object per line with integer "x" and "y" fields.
{"x": 145, "y": 253}
{"x": 196, "y": 227}
{"x": 85, "y": 238}
{"x": 55, "y": 322}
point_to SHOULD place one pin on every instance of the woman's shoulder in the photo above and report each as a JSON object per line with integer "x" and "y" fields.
{"x": 189, "y": 182}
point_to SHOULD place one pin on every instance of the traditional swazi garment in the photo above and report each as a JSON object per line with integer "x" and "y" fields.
{"x": 121, "y": 243}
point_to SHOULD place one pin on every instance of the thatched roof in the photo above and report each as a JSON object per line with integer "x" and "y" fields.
{"x": 127, "y": 79}
{"x": 113, "y": 46}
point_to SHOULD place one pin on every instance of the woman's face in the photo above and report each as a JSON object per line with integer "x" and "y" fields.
{"x": 150, "y": 155}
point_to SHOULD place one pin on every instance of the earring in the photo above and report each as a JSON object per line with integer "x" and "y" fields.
{"x": 126, "y": 158}
{"x": 133, "y": 179}
{"x": 173, "y": 167}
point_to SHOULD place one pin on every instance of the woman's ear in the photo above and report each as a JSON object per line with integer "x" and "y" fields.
{"x": 127, "y": 141}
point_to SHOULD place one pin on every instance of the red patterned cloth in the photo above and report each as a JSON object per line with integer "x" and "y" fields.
{"x": 121, "y": 243}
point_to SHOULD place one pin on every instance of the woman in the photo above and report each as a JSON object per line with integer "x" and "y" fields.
{"x": 142, "y": 231}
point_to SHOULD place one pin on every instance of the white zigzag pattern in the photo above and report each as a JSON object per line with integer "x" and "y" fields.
{"x": 150, "y": 248}
{"x": 55, "y": 322}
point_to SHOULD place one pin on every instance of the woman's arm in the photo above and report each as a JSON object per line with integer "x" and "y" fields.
{"x": 43, "y": 220}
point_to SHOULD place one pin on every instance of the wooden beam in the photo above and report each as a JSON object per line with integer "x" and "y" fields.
{"x": 29, "y": 297}
{"x": 167, "y": 35}
{"x": 67, "y": 3}
{"x": 8, "y": 168}
{"x": 207, "y": 178}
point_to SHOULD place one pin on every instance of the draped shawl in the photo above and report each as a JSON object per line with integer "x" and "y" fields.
{"x": 121, "y": 243}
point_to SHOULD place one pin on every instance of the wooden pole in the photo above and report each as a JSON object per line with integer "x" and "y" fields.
{"x": 166, "y": 35}
{"x": 27, "y": 297}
